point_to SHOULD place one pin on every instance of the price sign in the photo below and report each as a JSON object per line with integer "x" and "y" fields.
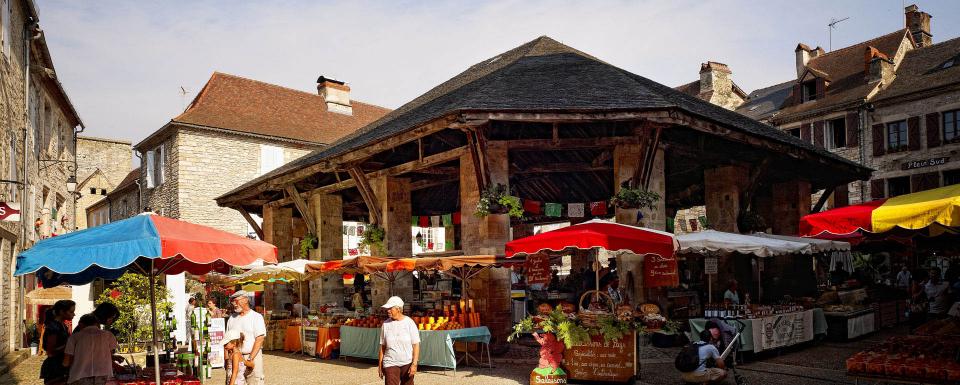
{"x": 710, "y": 265}
{"x": 600, "y": 360}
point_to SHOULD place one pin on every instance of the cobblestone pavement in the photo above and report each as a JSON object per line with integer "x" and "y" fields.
{"x": 816, "y": 364}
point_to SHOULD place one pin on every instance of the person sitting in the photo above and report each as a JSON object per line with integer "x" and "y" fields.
{"x": 712, "y": 369}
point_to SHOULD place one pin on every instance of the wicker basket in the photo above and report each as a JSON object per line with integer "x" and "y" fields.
{"x": 588, "y": 317}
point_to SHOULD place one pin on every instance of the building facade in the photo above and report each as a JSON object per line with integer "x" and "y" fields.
{"x": 39, "y": 126}
{"x": 101, "y": 165}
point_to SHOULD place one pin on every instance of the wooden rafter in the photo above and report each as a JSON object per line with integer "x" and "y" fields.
{"x": 256, "y": 226}
{"x": 547, "y": 168}
{"x": 746, "y": 199}
{"x": 566, "y": 144}
{"x": 650, "y": 156}
{"x": 302, "y": 207}
{"x": 823, "y": 199}
{"x": 475, "y": 157}
{"x": 366, "y": 193}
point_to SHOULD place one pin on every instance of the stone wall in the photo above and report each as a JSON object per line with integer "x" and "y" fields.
{"x": 162, "y": 198}
{"x": 101, "y": 165}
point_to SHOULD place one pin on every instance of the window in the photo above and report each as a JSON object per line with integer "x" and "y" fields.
{"x": 836, "y": 135}
{"x": 271, "y": 157}
{"x": 155, "y": 167}
{"x": 951, "y": 177}
{"x": 62, "y": 138}
{"x": 809, "y": 89}
{"x": 46, "y": 127}
{"x": 103, "y": 191}
{"x": 795, "y": 132}
{"x": 897, "y": 135}
{"x": 93, "y": 191}
{"x": 14, "y": 172}
{"x": 898, "y": 186}
{"x": 6, "y": 23}
{"x": 951, "y": 128}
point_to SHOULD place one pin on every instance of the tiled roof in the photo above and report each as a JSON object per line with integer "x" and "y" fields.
{"x": 235, "y": 103}
{"x": 923, "y": 69}
{"x": 763, "y": 103}
{"x": 542, "y": 75}
{"x": 692, "y": 88}
{"x": 845, "y": 71}
{"x": 129, "y": 180}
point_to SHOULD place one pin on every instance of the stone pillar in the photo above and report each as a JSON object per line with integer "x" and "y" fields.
{"x": 277, "y": 230}
{"x": 393, "y": 196}
{"x": 626, "y": 159}
{"x": 327, "y": 211}
{"x": 791, "y": 200}
{"x": 723, "y": 187}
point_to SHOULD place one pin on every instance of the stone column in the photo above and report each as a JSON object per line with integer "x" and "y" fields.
{"x": 393, "y": 196}
{"x": 277, "y": 228}
{"x": 791, "y": 200}
{"x": 626, "y": 159}
{"x": 327, "y": 212}
{"x": 723, "y": 186}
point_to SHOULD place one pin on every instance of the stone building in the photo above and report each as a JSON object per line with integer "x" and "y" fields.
{"x": 101, "y": 165}
{"x": 888, "y": 103}
{"x": 122, "y": 202}
{"x": 37, "y": 158}
{"x": 715, "y": 86}
{"x": 233, "y": 131}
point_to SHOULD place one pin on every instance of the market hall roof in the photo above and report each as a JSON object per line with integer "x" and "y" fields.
{"x": 234, "y": 103}
{"x": 541, "y": 76}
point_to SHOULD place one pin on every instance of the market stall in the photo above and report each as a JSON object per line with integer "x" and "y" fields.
{"x": 610, "y": 355}
{"x": 147, "y": 243}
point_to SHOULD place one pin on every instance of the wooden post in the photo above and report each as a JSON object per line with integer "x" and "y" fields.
{"x": 302, "y": 208}
{"x": 369, "y": 198}
{"x": 256, "y": 226}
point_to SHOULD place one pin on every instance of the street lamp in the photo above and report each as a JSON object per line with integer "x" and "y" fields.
{"x": 72, "y": 184}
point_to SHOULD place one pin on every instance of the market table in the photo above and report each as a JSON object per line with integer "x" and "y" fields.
{"x": 844, "y": 326}
{"x": 291, "y": 340}
{"x": 788, "y": 333}
{"x": 436, "y": 346}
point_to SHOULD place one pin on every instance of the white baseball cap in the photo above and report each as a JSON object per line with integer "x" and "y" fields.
{"x": 393, "y": 302}
{"x": 238, "y": 293}
{"x": 230, "y": 335}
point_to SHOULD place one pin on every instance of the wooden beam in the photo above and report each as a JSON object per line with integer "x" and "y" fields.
{"x": 823, "y": 199}
{"x": 367, "y": 194}
{"x": 747, "y": 198}
{"x": 566, "y": 144}
{"x": 547, "y": 168}
{"x": 302, "y": 207}
{"x": 251, "y": 222}
{"x": 428, "y": 183}
{"x": 475, "y": 157}
{"x": 650, "y": 157}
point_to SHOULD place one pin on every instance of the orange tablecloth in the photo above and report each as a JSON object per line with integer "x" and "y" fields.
{"x": 291, "y": 341}
{"x": 328, "y": 339}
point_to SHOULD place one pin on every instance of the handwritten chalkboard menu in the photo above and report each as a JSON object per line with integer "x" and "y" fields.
{"x": 660, "y": 271}
{"x": 537, "y": 269}
{"x": 599, "y": 360}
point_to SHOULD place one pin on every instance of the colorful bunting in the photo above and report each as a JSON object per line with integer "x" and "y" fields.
{"x": 532, "y": 207}
{"x": 424, "y": 221}
{"x": 553, "y": 209}
{"x": 575, "y": 210}
{"x": 598, "y": 208}
{"x": 447, "y": 220}
{"x": 435, "y": 221}
{"x": 414, "y": 221}
{"x": 456, "y": 218}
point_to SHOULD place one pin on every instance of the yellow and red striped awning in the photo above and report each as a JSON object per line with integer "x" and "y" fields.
{"x": 915, "y": 211}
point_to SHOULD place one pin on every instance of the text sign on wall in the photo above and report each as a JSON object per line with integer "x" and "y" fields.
{"x": 710, "y": 265}
{"x": 660, "y": 271}
{"x": 924, "y": 163}
{"x": 9, "y": 211}
{"x": 599, "y": 360}
{"x": 537, "y": 269}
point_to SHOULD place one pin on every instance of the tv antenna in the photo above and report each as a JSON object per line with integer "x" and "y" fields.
{"x": 183, "y": 97}
{"x": 833, "y": 24}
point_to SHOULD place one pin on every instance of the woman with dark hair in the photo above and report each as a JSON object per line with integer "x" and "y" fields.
{"x": 55, "y": 337}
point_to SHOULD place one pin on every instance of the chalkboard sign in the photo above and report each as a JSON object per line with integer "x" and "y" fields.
{"x": 537, "y": 269}
{"x": 598, "y": 360}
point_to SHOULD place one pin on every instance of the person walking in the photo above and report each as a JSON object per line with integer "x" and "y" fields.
{"x": 399, "y": 346}
{"x": 938, "y": 293}
{"x": 89, "y": 351}
{"x": 904, "y": 278}
{"x": 55, "y": 337}
{"x": 250, "y": 324}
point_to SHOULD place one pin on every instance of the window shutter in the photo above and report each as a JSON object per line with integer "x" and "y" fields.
{"x": 149, "y": 173}
{"x": 933, "y": 130}
{"x": 926, "y": 181}
{"x": 841, "y": 196}
{"x": 821, "y": 88}
{"x": 876, "y": 189}
{"x": 797, "y": 94}
{"x": 853, "y": 129}
{"x": 805, "y": 132}
{"x": 158, "y": 179}
{"x": 818, "y": 133}
{"x": 877, "y": 137}
{"x": 913, "y": 133}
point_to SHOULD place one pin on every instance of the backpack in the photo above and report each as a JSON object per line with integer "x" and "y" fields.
{"x": 688, "y": 359}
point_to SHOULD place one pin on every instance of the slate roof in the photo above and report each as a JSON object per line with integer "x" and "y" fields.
{"x": 763, "y": 103}
{"x": 128, "y": 180}
{"x": 844, "y": 69}
{"x": 542, "y": 75}
{"x": 923, "y": 69}
{"x": 239, "y": 104}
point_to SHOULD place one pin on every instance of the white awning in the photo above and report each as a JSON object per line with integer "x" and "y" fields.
{"x": 717, "y": 242}
{"x": 819, "y": 245}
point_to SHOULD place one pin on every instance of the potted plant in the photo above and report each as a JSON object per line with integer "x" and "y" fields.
{"x": 496, "y": 200}
{"x": 554, "y": 330}
{"x": 629, "y": 197}
{"x": 372, "y": 239}
{"x": 308, "y": 242}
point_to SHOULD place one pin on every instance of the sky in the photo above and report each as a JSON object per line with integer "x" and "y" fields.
{"x": 123, "y": 63}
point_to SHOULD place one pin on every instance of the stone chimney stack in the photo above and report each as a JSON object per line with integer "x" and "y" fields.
{"x": 715, "y": 77}
{"x": 804, "y": 54}
{"x": 918, "y": 22}
{"x": 879, "y": 67}
{"x": 336, "y": 94}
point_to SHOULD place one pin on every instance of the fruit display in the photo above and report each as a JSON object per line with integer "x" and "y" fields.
{"x": 436, "y": 323}
{"x": 367, "y": 322}
{"x": 949, "y": 327}
{"x": 918, "y": 358}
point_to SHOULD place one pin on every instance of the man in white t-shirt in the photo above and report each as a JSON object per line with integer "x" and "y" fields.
{"x": 89, "y": 351}
{"x": 254, "y": 330}
{"x": 399, "y": 346}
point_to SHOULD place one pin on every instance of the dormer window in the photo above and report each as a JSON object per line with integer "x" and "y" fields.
{"x": 809, "y": 90}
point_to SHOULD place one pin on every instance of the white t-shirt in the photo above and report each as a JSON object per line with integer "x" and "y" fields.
{"x": 92, "y": 351}
{"x": 732, "y": 296}
{"x": 399, "y": 337}
{"x": 250, "y": 325}
{"x": 939, "y": 300}
{"x": 706, "y": 352}
{"x": 300, "y": 310}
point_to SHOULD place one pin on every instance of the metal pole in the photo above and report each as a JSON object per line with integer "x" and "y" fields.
{"x": 153, "y": 312}
{"x": 303, "y": 335}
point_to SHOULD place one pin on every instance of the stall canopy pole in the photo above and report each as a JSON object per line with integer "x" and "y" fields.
{"x": 153, "y": 312}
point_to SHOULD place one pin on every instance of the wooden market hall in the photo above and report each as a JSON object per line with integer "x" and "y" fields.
{"x": 553, "y": 124}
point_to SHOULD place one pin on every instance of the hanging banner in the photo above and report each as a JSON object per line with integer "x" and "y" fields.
{"x": 9, "y": 211}
{"x": 660, "y": 271}
{"x": 537, "y": 269}
{"x": 217, "y": 327}
{"x": 782, "y": 330}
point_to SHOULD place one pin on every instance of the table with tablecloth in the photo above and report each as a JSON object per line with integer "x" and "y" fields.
{"x": 436, "y": 346}
{"x": 773, "y": 332}
{"x": 326, "y": 341}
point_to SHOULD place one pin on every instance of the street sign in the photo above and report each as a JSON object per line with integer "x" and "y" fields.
{"x": 9, "y": 211}
{"x": 710, "y": 265}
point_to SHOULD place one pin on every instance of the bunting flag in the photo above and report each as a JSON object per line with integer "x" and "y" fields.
{"x": 435, "y": 221}
{"x": 703, "y": 222}
{"x": 447, "y": 220}
{"x": 532, "y": 207}
{"x": 553, "y": 209}
{"x": 424, "y": 221}
{"x": 456, "y": 218}
{"x": 414, "y": 221}
{"x": 575, "y": 210}
{"x": 598, "y": 208}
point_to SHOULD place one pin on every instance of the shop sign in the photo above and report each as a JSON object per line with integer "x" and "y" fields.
{"x": 9, "y": 212}
{"x": 660, "y": 271}
{"x": 924, "y": 163}
{"x": 537, "y": 269}
{"x": 710, "y": 265}
{"x": 599, "y": 360}
{"x": 216, "y": 331}
{"x": 782, "y": 330}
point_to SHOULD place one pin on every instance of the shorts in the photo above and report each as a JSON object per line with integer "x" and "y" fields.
{"x": 397, "y": 375}
{"x": 709, "y": 375}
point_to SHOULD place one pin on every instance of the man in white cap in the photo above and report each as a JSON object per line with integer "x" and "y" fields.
{"x": 254, "y": 330}
{"x": 399, "y": 346}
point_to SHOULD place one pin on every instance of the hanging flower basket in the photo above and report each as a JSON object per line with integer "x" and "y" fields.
{"x": 496, "y": 200}
{"x": 634, "y": 198}
{"x": 373, "y": 239}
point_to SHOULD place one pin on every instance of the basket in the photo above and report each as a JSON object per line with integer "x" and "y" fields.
{"x": 589, "y": 317}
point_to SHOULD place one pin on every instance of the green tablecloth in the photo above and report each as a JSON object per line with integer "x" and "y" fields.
{"x": 698, "y": 324}
{"x": 436, "y": 346}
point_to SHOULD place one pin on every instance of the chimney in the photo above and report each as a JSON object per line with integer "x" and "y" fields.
{"x": 336, "y": 94}
{"x": 715, "y": 77}
{"x": 918, "y": 22}
{"x": 879, "y": 68}
{"x": 804, "y": 54}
